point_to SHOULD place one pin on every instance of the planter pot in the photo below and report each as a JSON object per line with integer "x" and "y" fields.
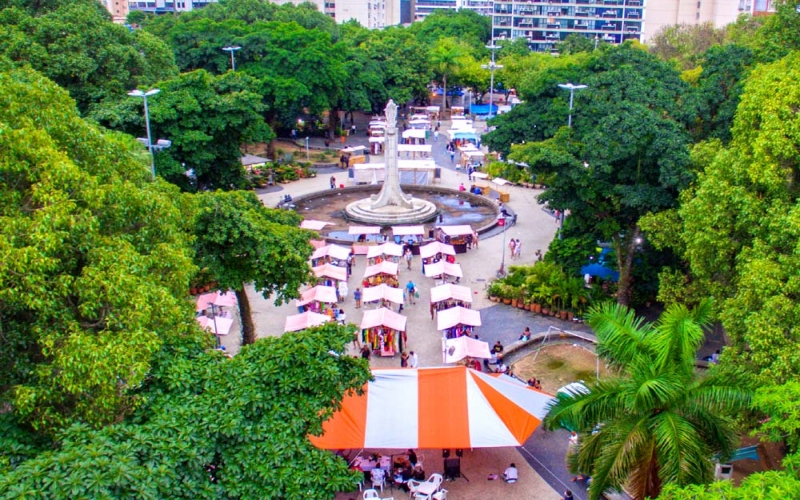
{"x": 545, "y": 311}
{"x": 537, "y": 186}
{"x": 494, "y": 299}
{"x": 562, "y": 315}
{"x": 553, "y": 313}
{"x": 527, "y": 307}
{"x": 570, "y": 315}
{"x": 537, "y": 308}
{"x": 514, "y": 302}
{"x": 506, "y": 301}
{"x": 521, "y": 305}
{"x": 193, "y": 291}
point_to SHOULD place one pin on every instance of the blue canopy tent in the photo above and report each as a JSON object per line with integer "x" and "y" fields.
{"x": 463, "y": 135}
{"x": 451, "y": 92}
{"x": 482, "y": 109}
{"x": 600, "y": 271}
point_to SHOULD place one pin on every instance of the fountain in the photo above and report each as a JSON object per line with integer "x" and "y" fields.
{"x": 391, "y": 206}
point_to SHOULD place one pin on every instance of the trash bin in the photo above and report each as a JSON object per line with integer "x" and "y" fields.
{"x": 504, "y": 197}
{"x": 485, "y": 190}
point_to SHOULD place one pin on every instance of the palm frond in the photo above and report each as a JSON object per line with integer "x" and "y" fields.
{"x": 678, "y": 335}
{"x": 625, "y": 442}
{"x": 620, "y": 333}
{"x": 682, "y": 456}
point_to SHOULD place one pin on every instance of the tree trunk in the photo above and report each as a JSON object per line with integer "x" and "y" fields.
{"x": 625, "y": 248}
{"x": 444, "y": 94}
{"x": 333, "y": 121}
{"x": 248, "y": 329}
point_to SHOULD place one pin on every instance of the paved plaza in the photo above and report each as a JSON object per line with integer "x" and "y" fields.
{"x": 543, "y": 474}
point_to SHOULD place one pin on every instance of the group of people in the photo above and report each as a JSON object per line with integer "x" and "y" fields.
{"x": 515, "y": 246}
{"x": 409, "y": 360}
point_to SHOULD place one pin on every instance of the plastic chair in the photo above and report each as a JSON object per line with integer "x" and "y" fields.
{"x": 440, "y": 495}
{"x": 378, "y": 479}
{"x": 368, "y": 494}
{"x": 436, "y": 478}
{"x": 412, "y": 487}
{"x": 420, "y": 496}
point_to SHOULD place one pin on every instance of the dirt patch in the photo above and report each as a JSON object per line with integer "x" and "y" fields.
{"x": 558, "y": 365}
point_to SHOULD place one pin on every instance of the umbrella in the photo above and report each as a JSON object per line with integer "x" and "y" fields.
{"x": 601, "y": 272}
{"x": 461, "y": 347}
{"x": 435, "y": 408}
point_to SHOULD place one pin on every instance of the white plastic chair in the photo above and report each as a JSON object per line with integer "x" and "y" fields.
{"x": 378, "y": 479}
{"x": 436, "y": 478}
{"x": 368, "y": 494}
{"x": 441, "y": 495}
{"x": 412, "y": 487}
{"x": 420, "y": 496}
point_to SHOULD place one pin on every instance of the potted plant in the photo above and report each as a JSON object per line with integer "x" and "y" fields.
{"x": 494, "y": 291}
{"x": 506, "y": 292}
{"x": 527, "y": 304}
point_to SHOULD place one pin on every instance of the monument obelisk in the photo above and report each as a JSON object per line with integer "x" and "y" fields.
{"x": 391, "y": 194}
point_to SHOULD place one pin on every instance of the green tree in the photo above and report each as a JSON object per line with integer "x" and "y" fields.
{"x": 655, "y": 420}
{"x": 240, "y": 241}
{"x": 446, "y": 58}
{"x": 93, "y": 285}
{"x": 242, "y": 421}
{"x": 206, "y": 117}
{"x": 465, "y": 25}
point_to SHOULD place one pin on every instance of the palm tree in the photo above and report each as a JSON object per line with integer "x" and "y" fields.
{"x": 446, "y": 58}
{"x": 656, "y": 420}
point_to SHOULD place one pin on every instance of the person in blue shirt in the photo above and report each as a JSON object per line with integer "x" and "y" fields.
{"x": 410, "y": 289}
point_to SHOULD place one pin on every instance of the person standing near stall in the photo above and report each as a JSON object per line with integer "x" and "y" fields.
{"x": 408, "y": 256}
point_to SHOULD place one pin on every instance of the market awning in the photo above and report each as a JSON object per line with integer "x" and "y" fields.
{"x": 500, "y": 181}
{"x": 330, "y": 271}
{"x": 456, "y": 230}
{"x": 442, "y": 267}
{"x": 364, "y": 230}
{"x": 388, "y": 248}
{"x": 383, "y": 291}
{"x": 314, "y": 225}
{"x": 377, "y": 139}
{"x": 319, "y": 293}
{"x": 435, "y": 408}
{"x": 414, "y": 133}
{"x": 336, "y": 251}
{"x": 384, "y": 267}
{"x": 219, "y": 299}
{"x": 306, "y": 320}
{"x": 217, "y": 326}
{"x": 354, "y": 149}
{"x": 383, "y": 317}
{"x": 459, "y": 348}
{"x": 253, "y": 161}
{"x": 408, "y": 230}
{"x": 435, "y": 247}
{"x": 446, "y": 292}
{"x": 480, "y": 175}
{"x": 448, "y": 318}
{"x": 414, "y": 148}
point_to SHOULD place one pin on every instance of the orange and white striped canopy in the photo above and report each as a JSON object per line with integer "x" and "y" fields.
{"x": 447, "y": 407}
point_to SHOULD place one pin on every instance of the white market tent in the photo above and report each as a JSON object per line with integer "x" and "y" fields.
{"x": 446, "y": 292}
{"x": 305, "y": 320}
{"x": 434, "y": 248}
{"x": 383, "y": 292}
{"x": 364, "y": 230}
{"x": 456, "y": 230}
{"x": 319, "y": 293}
{"x": 448, "y": 318}
{"x": 442, "y": 267}
{"x": 218, "y": 325}
{"x": 330, "y": 271}
{"x": 456, "y": 349}
{"x": 500, "y": 182}
{"x": 218, "y": 299}
{"x": 383, "y": 317}
{"x": 480, "y": 175}
{"x": 388, "y": 248}
{"x": 414, "y": 133}
{"x": 408, "y": 230}
{"x": 337, "y": 252}
{"x": 314, "y": 225}
{"x": 385, "y": 267}
{"x": 415, "y": 172}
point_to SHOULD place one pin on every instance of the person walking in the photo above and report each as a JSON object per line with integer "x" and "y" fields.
{"x": 411, "y": 288}
{"x": 357, "y": 297}
{"x": 366, "y": 352}
{"x": 436, "y": 135}
{"x": 412, "y": 360}
{"x": 408, "y": 256}
{"x": 333, "y": 182}
{"x": 518, "y": 248}
{"x": 452, "y": 156}
{"x": 343, "y": 290}
{"x": 404, "y": 360}
{"x": 512, "y": 245}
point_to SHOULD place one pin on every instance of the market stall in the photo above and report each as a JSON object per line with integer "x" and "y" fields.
{"x": 415, "y": 151}
{"x": 409, "y": 235}
{"x": 217, "y": 325}
{"x": 382, "y": 295}
{"x": 385, "y": 272}
{"x": 330, "y": 275}
{"x": 305, "y": 320}
{"x": 315, "y": 299}
{"x": 414, "y": 172}
{"x": 388, "y": 251}
{"x": 456, "y": 349}
{"x": 415, "y": 136}
{"x": 434, "y": 252}
{"x": 330, "y": 254}
{"x": 448, "y": 296}
{"x": 458, "y": 236}
{"x": 440, "y": 270}
{"x": 364, "y": 231}
{"x": 215, "y": 299}
{"x": 457, "y": 321}
{"x": 501, "y": 188}
{"x": 384, "y": 331}
{"x": 314, "y": 225}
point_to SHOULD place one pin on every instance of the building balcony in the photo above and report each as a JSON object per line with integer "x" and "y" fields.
{"x": 610, "y": 13}
{"x": 608, "y": 27}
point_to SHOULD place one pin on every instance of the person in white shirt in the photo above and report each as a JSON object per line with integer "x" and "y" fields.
{"x": 511, "y": 475}
{"x": 412, "y": 360}
{"x": 341, "y": 317}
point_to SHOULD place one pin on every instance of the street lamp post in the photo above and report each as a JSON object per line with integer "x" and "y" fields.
{"x": 502, "y": 271}
{"x": 572, "y": 88}
{"x": 145, "y": 95}
{"x": 232, "y": 49}
{"x": 214, "y": 314}
{"x": 491, "y": 67}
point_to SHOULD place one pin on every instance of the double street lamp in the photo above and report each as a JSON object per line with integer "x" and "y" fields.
{"x": 572, "y": 88}
{"x": 232, "y": 49}
{"x": 161, "y": 143}
{"x": 491, "y": 67}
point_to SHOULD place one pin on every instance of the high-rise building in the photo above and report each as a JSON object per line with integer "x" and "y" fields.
{"x": 117, "y": 8}
{"x": 163, "y": 6}
{"x": 662, "y": 13}
{"x": 544, "y": 23}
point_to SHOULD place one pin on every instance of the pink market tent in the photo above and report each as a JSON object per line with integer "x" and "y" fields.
{"x": 408, "y": 230}
{"x": 364, "y": 230}
{"x": 318, "y": 243}
{"x": 217, "y": 326}
{"x": 319, "y": 293}
{"x": 330, "y": 271}
{"x": 435, "y": 408}
{"x": 446, "y": 292}
{"x": 383, "y": 317}
{"x": 459, "y": 348}
{"x": 335, "y": 251}
{"x": 442, "y": 267}
{"x": 227, "y": 299}
{"x": 314, "y": 225}
{"x": 456, "y": 230}
{"x": 390, "y": 249}
{"x": 383, "y": 292}
{"x": 302, "y": 321}
{"x": 448, "y": 318}
{"x": 434, "y": 248}
{"x": 384, "y": 267}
